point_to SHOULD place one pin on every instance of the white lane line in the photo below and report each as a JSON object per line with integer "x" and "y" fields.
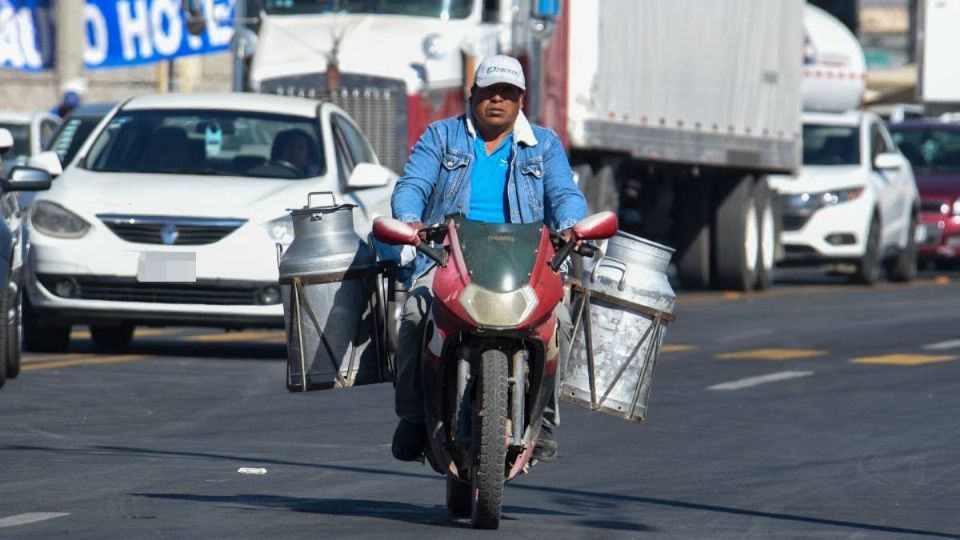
{"x": 943, "y": 345}
{"x": 32, "y": 517}
{"x": 762, "y": 379}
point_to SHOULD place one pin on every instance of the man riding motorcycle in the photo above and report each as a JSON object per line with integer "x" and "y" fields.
{"x": 492, "y": 165}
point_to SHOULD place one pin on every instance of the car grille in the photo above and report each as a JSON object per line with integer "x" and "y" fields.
{"x": 933, "y": 206}
{"x": 118, "y": 289}
{"x": 171, "y": 231}
{"x": 794, "y": 223}
{"x": 378, "y": 105}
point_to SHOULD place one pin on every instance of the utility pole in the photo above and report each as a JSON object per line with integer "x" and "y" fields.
{"x": 239, "y": 61}
{"x": 68, "y": 62}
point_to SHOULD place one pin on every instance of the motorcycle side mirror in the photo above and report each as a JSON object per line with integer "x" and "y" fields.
{"x": 394, "y": 231}
{"x": 596, "y": 227}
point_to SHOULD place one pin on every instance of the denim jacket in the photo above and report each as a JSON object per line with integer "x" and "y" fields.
{"x": 436, "y": 180}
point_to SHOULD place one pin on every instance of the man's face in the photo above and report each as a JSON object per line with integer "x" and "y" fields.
{"x": 497, "y": 106}
{"x": 297, "y": 152}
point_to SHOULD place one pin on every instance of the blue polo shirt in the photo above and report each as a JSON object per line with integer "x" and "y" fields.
{"x": 488, "y": 182}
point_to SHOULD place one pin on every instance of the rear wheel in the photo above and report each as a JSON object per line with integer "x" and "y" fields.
{"x": 489, "y": 441}
{"x": 767, "y": 227}
{"x": 39, "y": 337}
{"x": 868, "y": 269}
{"x": 112, "y": 337}
{"x": 737, "y": 241}
{"x": 458, "y": 498}
{"x": 903, "y": 268}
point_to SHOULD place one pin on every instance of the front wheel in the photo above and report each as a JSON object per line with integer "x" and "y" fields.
{"x": 868, "y": 269}
{"x": 489, "y": 444}
{"x": 903, "y": 268}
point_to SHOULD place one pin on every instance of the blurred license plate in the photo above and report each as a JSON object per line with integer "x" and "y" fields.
{"x": 167, "y": 267}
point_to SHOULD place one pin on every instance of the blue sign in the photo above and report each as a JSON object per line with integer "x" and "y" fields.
{"x": 26, "y": 34}
{"x": 119, "y": 33}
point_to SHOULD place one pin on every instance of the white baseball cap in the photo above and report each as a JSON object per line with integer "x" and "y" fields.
{"x": 500, "y": 69}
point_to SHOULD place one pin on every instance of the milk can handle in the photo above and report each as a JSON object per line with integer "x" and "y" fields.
{"x": 333, "y": 198}
{"x": 613, "y": 263}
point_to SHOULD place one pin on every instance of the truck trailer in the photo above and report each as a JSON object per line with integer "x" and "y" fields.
{"x": 673, "y": 111}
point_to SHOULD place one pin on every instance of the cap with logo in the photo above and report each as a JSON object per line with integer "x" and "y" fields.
{"x": 500, "y": 69}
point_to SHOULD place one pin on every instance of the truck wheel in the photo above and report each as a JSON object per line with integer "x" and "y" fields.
{"x": 489, "y": 441}
{"x": 737, "y": 240}
{"x": 903, "y": 267}
{"x": 693, "y": 235}
{"x": 39, "y": 337}
{"x": 111, "y": 338}
{"x": 868, "y": 269}
{"x": 601, "y": 191}
{"x": 764, "y": 201}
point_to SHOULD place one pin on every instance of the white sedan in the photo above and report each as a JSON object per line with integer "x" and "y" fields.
{"x": 205, "y": 180}
{"x": 30, "y": 130}
{"x": 855, "y": 201}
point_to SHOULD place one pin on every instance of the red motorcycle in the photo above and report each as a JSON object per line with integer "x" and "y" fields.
{"x": 491, "y": 347}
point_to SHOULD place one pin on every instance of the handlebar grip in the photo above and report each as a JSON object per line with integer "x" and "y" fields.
{"x": 587, "y": 251}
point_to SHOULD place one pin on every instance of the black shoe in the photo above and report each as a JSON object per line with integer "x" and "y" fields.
{"x": 409, "y": 441}
{"x": 546, "y": 448}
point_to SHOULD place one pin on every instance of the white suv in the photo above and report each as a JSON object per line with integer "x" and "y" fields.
{"x": 855, "y": 200}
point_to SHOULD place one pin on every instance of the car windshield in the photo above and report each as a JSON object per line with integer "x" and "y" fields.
{"x": 70, "y": 137}
{"x": 930, "y": 150}
{"x": 209, "y": 142}
{"x": 440, "y": 9}
{"x": 20, "y": 151}
{"x": 831, "y": 145}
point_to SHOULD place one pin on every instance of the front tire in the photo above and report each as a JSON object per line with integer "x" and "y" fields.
{"x": 868, "y": 269}
{"x": 767, "y": 227}
{"x": 39, "y": 337}
{"x": 12, "y": 310}
{"x": 489, "y": 445}
{"x": 737, "y": 241}
{"x": 112, "y": 337}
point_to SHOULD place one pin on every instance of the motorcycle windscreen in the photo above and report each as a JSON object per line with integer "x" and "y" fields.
{"x": 500, "y": 256}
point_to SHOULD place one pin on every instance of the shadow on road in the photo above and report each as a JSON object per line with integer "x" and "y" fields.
{"x": 429, "y": 515}
{"x": 436, "y": 515}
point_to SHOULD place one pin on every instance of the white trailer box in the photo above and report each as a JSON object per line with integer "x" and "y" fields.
{"x": 687, "y": 81}
{"x": 835, "y": 70}
{"x": 939, "y": 47}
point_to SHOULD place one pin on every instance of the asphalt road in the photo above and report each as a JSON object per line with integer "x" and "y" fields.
{"x": 817, "y": 410}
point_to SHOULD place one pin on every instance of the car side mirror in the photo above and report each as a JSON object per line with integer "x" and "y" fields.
{"x": 6, "y": 140}
{"x": 23, "y": 178}
{"x": 596, "y": 227}
{"x": 48, "y": 161}
{"x": 394, "y": 231}
{"x": 368, "y": 175}
{"x": 888, "y": 161}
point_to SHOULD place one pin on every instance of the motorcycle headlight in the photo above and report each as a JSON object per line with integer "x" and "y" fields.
{"x": 281, "y": 230}
{"x": 54, "y": 220}
{"x": 498, "y": 310}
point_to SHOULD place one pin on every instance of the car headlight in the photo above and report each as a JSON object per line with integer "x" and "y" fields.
{"x": 281, "y": 230}
{"x": 956, "y": 207}
{"x": 815, "y": 201}
{"x": 54, "y": 220}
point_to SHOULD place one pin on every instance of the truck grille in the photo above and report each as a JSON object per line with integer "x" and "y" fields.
{"x": 119, "y": 289}
{"x": 377, "y": 105}
{"x": 171, "y": 231}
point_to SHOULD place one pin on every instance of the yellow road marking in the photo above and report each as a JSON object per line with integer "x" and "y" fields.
{"x": 771, "y": 354}
{"x": 29, "y": 358}
{"x": 692, "y": 297}
{"x": 903, "y": 359}
{"x": 677, "y": 348}
{"x": 941, "y": 280}
{"x": 92, "y": 360}
{"x": 731, "y": 295}
{"x": 139, "y": 332}
{"x": 237, "y": 336}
